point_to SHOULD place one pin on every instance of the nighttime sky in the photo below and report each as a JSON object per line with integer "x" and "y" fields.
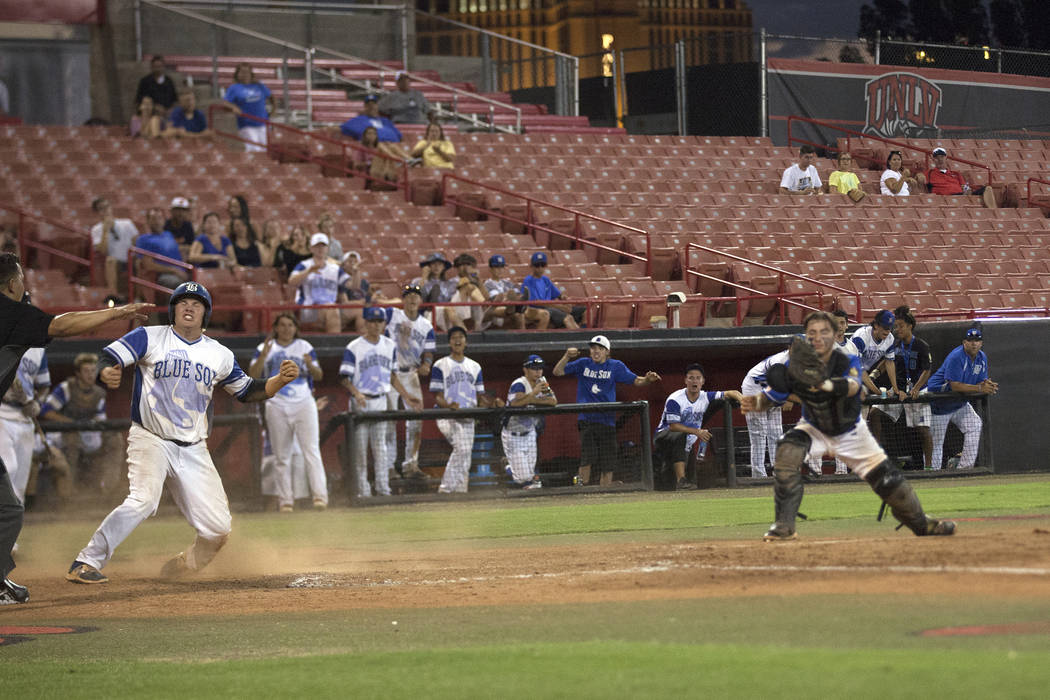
{"x": 823, "y": 18}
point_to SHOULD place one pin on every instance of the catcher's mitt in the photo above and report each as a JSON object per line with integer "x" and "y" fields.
{"x": 805, "y": 370}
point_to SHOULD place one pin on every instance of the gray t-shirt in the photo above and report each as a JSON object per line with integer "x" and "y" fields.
{"x": 409, "y": 107}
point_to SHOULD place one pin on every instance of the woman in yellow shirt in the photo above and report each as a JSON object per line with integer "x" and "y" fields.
{"x": 435, "y": 150}
{"x": 845, "y": 181}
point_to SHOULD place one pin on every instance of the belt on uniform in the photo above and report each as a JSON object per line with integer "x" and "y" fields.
{"x": 527, "y": 432}
{"x": 406, "y": 369}
{"x": 372, "y": 396}
{"x": 181, "y": 443}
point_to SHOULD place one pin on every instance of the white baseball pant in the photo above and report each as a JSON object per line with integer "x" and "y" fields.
{"x": 300, "y": 484}
{"x": 857, "y": 448}
{"x": 255, "y": 135}
{"x": 374, "y": 434}
{"x": 16, "y": 449}
{"x": 413, "y": 428}
{"x": 195, "y": 486}
{"x": 967, "y": 421}
{"x": 521, "y": 451}
{"x": 764, "y": 428}
{"x": 286, "y": 422}
{"x": 460, "y": 434}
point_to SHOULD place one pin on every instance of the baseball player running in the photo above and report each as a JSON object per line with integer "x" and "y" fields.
{"x": 23, "y": 326}
{"x": 682, "y": 420}
{"x": 413, "y": 334}
{"x": 826, "y": 381}
{"x": 367, "y": 373}
{"x": 291, "y": 416}
{"x": 519, "y": 435}
{"x": 177, "y": 369}
{"x": 456, "y": 383}
{"x": 964, "y": 370}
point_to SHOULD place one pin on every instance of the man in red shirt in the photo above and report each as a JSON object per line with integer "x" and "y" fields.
{"x": 940, "y": 179}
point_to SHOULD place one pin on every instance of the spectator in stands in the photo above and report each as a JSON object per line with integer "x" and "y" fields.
{"x": 432, "y": 280}
{"x": 247, "y": 251}
{"x": 80, "y": 398}
{"x": 355, "y": 127}
{"x": 211, "y": 248}
{"x": 965, "y": 370}
{"x": 158, "y": 86}
{"x": 319, "y": 281}
{"x": 940, "y": 179}
{"x": 469, "y": 317}
{"x": 382, "y": 166}
{"x": 681, "y": 425}
{"x": 326, "y": 225}
{"x": 248, "y": 98}
{"x": 146, "y": 122}
{"x": 113, "y": 238}
{"x": 158, "y": 240}
{"x": 456, "y": 382}
{"x": 844, "y": 180}
{"x": 435, "y": 150}
{"x": 186, "y": 121}
{"x": 180, "y": 225}
{"x": 499, "y": 287}
{"x": 405, "y": 105}
{"x": 355, "y": 289}
{"x": 539, "y": 287}
{"x": 802, "y": 177}
{"x": 272, "y": 238}
{"x": 293, "y": 250}
{"x": 896, "y": 180}
{"x": 237, "y": 208}
{"x": 598, "y": 376}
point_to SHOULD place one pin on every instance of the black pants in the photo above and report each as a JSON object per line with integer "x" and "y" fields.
{"x": 10, "y": 521}
{"x": 669, "y": 448}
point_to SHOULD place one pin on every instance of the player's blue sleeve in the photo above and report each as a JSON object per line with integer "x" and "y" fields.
{"x": 300, "y": 266}
{"x": 430, "y": 345}
{"x": 554, "y": 291}
{"x": 56, "y": 400}
{"x": 312, "y": 353}
{"x": 258, "y": 351}
{"x": 621, "y": 374}
{"x": 672, "y": 412}
{"x": 100, "y": 411}
{"x": 265, "y": 90}
{"x": 575, "y": 366}
{"x": 388, "y": 311}
{"x": 343, "y": 278}
{"x": 775, "y": 396}
{"x": 479, "y": 383}
{"x": 437, "y": 380}
{"x": 236, "y": 383}
{"x": 129, "y": 348}
{"x": 349, "y": 365}
{"x": 858, "y": 342}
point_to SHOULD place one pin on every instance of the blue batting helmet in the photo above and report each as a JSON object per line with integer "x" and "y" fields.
{"x": 190, "y": 289}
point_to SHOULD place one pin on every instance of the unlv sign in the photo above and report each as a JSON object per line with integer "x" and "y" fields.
{"x": 901, "y": 104}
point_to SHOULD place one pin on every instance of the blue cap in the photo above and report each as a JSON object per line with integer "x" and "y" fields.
{"x": 533, "y": 361}
{"x": 497, "y": 261}
{"x": 373, "y": 313}
{"x": 539, "y": 258}
{"x": 371, "y": 98}
{"x": 885, "y": 318}
{"x": 974, "y": 334}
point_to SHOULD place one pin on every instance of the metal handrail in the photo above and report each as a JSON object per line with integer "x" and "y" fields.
{"x": 24, "y": 242}
{"x": 134, "y": 253}
{"x": 1040, "y": 180}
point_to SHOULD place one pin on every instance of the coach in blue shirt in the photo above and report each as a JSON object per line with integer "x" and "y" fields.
{"x": 598, "y": 376}
{"x": 538, "y": 287}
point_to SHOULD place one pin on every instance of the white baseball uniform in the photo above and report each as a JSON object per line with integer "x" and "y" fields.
{"x": 870, "y": 350}
{"x": 291, "y": 416}
{"x": 458, "y": 382}
{"x": 17, "y": 433}
{"x": 413, "y": 338}
{"x": 268, "y": 467}
{"x": 519, "y": 435}
{"x": 171, "y": 419}
{"x": 321, "y": 287}
{"x": 764, "y": 428}
{"x": 369, "y": 366}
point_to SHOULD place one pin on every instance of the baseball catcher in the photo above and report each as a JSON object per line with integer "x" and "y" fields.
{"x": 826, "y": 381}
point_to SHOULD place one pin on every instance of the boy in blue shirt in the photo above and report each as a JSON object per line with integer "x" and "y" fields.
{"x": 598, "y": 377}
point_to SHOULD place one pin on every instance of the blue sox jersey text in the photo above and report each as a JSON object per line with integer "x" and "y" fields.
{"x": 302, "y": 387}
{"x": 175, "y": 379}
{"x": 368, "y": 365}
{"x": 679, "y": 409}
{"x": 870, "y": 350}
{"x": 460, "y": 382}
{"x": 413, "y": 338}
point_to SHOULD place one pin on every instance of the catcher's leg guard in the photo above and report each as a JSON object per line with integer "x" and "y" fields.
{"x": 887, "y": 481}
{"x": 792, "y": 451}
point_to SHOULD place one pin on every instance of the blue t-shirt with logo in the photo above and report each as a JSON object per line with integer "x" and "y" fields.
{"x": 251, "y": 99}
{"x": 597, "y": 384}
{"x": 160, "y": 243}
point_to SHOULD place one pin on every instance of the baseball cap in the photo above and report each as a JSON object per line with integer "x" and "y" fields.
{"x": 318, "y": 238}
{"x": 371, "y": 98}
{"x": 974, "y": 334}
{"x": 539, "y": 258}
{"x": 373, "y": 313}
{"x": 401, "y": 74}
{"x": 939, "y": 151}
{"x": 180, "y": 203}
{"x": 885, "y": 318}
{"x": 497, "y": 261}
{"x": 411, "y": 289}
{"x": 348, "y": 253}
{"x": 533, "y": 361}
{"x": 601, "y": 340}
{"x": 435, "y": 257}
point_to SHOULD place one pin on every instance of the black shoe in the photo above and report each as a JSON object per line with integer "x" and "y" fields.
{"x": 12, "y": 594}
{"x": 685, "y": 485}
{"x": 940, "y": 528}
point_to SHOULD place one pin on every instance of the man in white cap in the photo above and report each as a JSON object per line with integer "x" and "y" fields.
{"x": 940, "y": 179}
{"x": 180, "y": 225}
{"x": 598, "y": 377}
{"x": 319, "y": 280}
{"x": 112, "y": 237}
{"x": 404, "y": 105}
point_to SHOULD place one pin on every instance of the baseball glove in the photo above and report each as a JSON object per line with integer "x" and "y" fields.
{"x": 805, "y": 370}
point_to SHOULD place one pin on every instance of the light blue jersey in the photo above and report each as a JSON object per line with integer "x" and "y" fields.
{"x": 33, "y": 375}
{"x": 412, "y": 337}
{"x": 321, "y": 287}
{"x": 458, "y": 382}
{"x": 679, "y": 409}
{"x": 302, "y": 387}
{"x": 368, "y": 365}
{"x": 175, "y": 379}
